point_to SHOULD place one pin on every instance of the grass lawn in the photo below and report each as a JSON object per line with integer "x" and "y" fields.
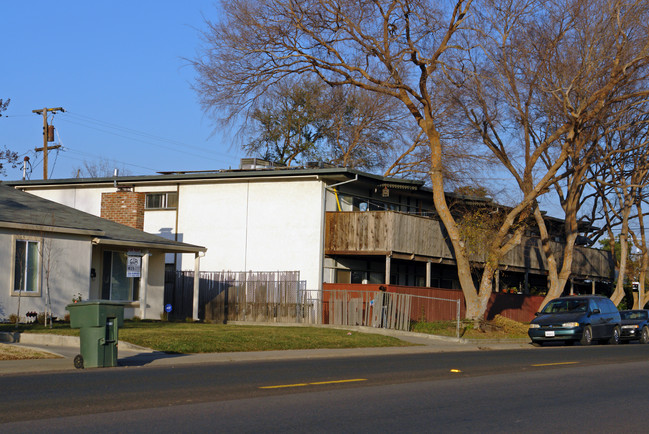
{"x": 180, "y": 337}
{"x": 11, "y": 352}
{"x": 212, "y": 338}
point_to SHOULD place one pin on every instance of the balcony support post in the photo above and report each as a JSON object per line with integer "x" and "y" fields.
{"x": 497, "y": 280}
{"x": 387, "y": 269}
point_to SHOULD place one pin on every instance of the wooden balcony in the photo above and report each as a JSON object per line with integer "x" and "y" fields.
{"x": 421, "y": 238}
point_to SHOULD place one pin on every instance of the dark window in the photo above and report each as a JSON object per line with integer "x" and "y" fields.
{"x": 26, "y": 266}
{"x": 168, "y": 200}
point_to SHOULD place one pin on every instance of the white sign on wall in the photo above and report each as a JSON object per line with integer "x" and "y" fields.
{"x": 133, "y": 266}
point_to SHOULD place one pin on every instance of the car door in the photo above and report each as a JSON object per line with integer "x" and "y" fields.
{"x": 598, "y": 319}
{"x": 607, "y": 317}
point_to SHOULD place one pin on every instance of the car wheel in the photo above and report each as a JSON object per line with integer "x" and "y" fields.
{"x": 78, "y": 361}
{"x": 587, "y": 336}
{"x": 644, "y": 336}
{"x": 615, "y": 338}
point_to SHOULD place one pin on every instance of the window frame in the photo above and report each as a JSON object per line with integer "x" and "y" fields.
{"x": 39, "y": 272}
{"x": 164, "y": 200}
{"x": 134, "y": 282}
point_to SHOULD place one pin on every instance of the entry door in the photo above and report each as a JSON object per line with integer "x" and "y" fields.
{"x": 115, "y": 284}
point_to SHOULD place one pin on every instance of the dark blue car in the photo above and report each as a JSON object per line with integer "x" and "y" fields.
{"x": 634, "y": 325}
{"x": 577, "y": 319}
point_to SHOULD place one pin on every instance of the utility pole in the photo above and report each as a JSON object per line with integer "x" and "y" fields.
{"x": 46, "y": 135}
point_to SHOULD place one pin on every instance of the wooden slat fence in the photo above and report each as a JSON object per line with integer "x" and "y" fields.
{"x": 277, "y": 296}
{"x": 382, "y": 309}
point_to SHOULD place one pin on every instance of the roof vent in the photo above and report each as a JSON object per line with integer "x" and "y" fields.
{"x": 318, "y": 165}
{"x": 257, "y": 164}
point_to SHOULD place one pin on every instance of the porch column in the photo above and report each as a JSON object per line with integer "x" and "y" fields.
{"x": 197, "y": 278}
{"x": 592, "y": 285}
{"x": 572, "y": 287}
{"x": 497, "y": 280}
{"x": 428, "y": 271}
{"x": 387, "y": 269}
{"x": 527, "y": 282}
{"x": 144, "y": 284}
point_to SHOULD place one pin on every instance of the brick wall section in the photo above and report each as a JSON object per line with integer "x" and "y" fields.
{"x": 125, "y": 207}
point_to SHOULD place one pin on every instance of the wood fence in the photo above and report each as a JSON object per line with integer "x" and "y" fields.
{"x": 282, "y": 297}
{"x": 277, "y": 296}
{"x": 438, "y": 304}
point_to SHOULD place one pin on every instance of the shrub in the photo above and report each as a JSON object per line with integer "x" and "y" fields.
{"x": 13, "y": 318}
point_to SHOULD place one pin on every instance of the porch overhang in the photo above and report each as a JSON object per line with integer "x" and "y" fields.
{"x": 170, "y": 248}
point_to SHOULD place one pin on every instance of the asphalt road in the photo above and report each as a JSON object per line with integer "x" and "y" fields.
{"x": 599, "y": 388}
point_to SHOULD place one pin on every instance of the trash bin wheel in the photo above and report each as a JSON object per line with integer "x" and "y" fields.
{"x": 78, "y": 361}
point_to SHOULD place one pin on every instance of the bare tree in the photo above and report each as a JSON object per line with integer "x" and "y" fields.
{"x": 618, "y": 183}
{"x": 640, "y": 241}
{"x": 393, "y": 48}
{"x": 416, "y": 52}
{"x": 546, "y": 76}
{"x": 6, "y": 156}
{"x": 363, "y": 128}
{"x": 102, "y": 168}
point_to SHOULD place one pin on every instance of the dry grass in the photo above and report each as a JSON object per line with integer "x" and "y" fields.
{"x": 498, "y": 328}
{"x": 12, "y": 352}
{"x": 510, "y": 326}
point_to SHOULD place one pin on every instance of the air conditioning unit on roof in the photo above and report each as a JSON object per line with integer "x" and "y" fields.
{"x": 257, "y": 164}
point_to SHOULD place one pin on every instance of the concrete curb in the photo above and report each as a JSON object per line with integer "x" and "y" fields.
{"x": 58, "y": 340}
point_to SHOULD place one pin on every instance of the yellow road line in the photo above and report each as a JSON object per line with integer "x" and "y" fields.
{"x": 558, "y": 363}
{"x": 338, "y": 381}
{"x": 318, "y": 383}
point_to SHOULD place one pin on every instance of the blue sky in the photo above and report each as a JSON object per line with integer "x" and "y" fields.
{"x": 117, "y": 69}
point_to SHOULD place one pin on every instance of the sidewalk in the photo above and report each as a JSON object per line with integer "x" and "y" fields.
{"x": 67, "y": 347}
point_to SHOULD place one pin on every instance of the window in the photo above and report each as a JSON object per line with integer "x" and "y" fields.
{"x": 167, "y": 200}
{"x": 26, "y": 266}
{"x": 115, "y": 285}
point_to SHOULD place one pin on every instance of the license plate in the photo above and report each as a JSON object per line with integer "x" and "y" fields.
{"x": 549, "y": 334}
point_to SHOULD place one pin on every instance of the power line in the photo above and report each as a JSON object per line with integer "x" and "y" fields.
{"x": 94, "y": 156}
{"x": 144, "y": 137}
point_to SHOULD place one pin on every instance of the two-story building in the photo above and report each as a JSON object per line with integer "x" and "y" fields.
{"x": 332, "y": 225}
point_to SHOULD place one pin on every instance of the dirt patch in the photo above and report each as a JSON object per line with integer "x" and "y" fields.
{"x": 13, "y": 352}
{"x": 510, "y": 326}
{"x": 499, "y": 328}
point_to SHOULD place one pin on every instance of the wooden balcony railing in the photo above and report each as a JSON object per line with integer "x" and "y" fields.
{"x": 389, "y": 232}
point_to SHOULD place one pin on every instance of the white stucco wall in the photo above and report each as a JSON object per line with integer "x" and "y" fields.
{"x": 84, "y": 199}
{"x": 69, "y": 265}
{"x": 258, "y": 225}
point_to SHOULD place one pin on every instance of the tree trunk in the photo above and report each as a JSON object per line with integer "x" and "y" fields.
{"x": 618, "y": 294}
{"x": 475, "y": 304}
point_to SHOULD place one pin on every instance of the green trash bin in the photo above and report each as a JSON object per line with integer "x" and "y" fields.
{"x": 99, "y": 322}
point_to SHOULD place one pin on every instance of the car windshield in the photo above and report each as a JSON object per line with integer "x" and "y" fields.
{"x": 633, "y": 314}
{"x": 561, "y": 306}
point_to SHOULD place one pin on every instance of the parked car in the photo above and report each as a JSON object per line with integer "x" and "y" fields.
{"x": 635, "y": 325}
{"x": 577, "y": 318}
